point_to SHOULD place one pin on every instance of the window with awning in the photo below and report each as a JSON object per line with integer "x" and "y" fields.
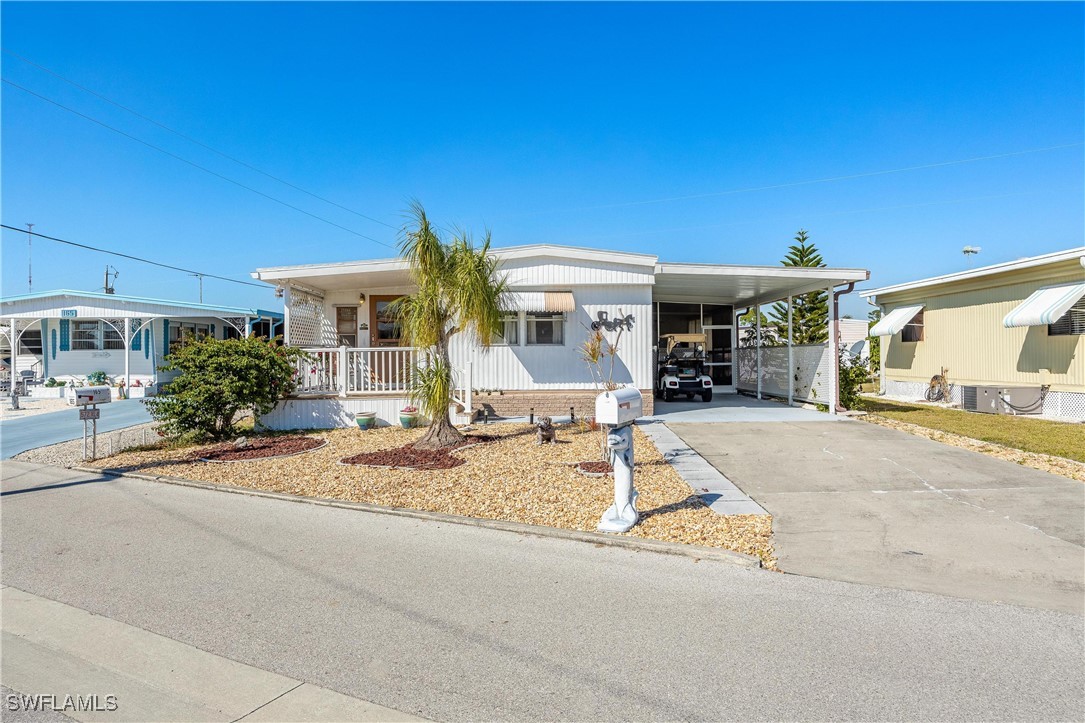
{"x": 896, "y": 320}
{"x": 549, "y": 301}
{"x": 1046, "y": 306}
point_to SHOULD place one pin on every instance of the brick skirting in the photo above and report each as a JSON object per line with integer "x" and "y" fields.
{"x": 554, "y": 403}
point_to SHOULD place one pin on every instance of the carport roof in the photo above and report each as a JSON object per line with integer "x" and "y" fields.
{"x": 50, "y": 304}
{"x": 745, "y": 285}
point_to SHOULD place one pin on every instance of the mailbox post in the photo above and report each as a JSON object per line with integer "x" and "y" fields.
{"x": 88, "y": 399}
{"x": 619, "y": 408}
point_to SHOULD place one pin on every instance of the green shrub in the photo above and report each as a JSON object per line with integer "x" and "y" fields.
{"x": 853, "y": 374}
{"x": 220, "y": 378}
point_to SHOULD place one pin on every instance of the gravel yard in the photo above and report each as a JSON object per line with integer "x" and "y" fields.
{"x": 510, "y": 478}
{"x": 68, "y": 454}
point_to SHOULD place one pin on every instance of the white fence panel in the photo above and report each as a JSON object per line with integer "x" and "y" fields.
{"x": 812, "y": 369}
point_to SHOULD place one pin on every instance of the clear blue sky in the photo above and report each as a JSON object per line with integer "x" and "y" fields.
{"x": 562, "y": 123}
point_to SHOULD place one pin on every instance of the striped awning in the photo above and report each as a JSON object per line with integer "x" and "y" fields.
{"x": 895, "y": 320}
{"x": 554, "y": 301}
{"x": 1045, "y": 306}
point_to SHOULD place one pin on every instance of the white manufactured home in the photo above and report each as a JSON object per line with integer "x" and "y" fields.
{"x": 67, "y": 335}
{"x": 360, "y": 362}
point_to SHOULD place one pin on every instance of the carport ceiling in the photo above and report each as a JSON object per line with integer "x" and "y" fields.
{"x": 745, "y": 285}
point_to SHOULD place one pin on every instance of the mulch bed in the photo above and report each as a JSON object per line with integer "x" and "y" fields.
{"x": 408, "y": 457}
{"x": 594, "y": 468}
{"x": 261, "y": 448}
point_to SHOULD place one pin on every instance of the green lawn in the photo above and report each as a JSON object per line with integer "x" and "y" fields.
{"x": 1061, "y": 439}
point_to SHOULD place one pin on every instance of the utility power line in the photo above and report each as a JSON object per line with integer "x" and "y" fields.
{"x": 190, "y": 139}
{"x": 136, "y": 258}
{"x": 193, "y": 164}
{"x": 808, "y": 182}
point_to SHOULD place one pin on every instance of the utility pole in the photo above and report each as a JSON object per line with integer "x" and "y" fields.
{"x": 200, "y": 277}
{"x": 109, "y": 288}
{"x": 30, "y": 258}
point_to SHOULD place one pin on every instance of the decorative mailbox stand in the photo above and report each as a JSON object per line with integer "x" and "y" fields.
{"x": 88, "y": 399}
{"x": 618, "y": 409}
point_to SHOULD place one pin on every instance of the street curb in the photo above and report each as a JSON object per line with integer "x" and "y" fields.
{"x": 599, "y": 539}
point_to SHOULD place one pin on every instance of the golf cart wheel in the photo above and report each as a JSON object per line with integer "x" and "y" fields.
{"x": 706, "y": 395}
{"x": 668, "y": 395}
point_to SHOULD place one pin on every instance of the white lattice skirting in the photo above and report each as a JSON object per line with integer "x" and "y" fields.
{"x": 1057, "y": 405}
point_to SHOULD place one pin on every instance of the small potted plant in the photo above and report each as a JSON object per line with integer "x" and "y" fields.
{"x": 365, "y": 420}
{"x": 408, "y": 416}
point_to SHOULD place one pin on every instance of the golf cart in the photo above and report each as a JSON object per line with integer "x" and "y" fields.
{"x": 680, "y": 367}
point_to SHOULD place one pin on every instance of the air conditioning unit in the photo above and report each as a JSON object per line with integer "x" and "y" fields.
{"x": 1020, "y": 400}
{"x": 980, "y": 399}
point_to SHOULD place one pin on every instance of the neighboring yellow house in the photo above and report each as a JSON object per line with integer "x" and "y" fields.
{"x": 1013, "y": 333}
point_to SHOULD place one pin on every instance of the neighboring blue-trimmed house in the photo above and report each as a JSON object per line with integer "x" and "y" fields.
{"x": 66, "y": 335}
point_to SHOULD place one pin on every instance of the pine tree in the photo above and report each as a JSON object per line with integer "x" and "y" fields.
{"x": 810, "y": 316}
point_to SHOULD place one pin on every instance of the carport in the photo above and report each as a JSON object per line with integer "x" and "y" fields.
{"x": 723, "y": 293}
{"x": 736, "y": 408}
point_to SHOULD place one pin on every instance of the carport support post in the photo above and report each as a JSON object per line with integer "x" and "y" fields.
{"x": 127, "y": 354}
{"x": 790, "y": 358}
{"x": 834, "y": 375}
{"x": 757, "y": 313}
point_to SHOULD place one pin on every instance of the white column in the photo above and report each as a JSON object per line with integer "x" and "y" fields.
{"x": 790, "y": 357}
{"x": 248, "y": 327}
{"x": 14, "y": 337}
{"x": 127, "y": 353}
{"x": 342, "y": 371}
{"x": 757, "y": 351}
{"x": 883, "y": 352}
{"x": 834, "y": 351}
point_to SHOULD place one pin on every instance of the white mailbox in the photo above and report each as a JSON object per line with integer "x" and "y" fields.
{"x": 91, "y": 395}
{"x": 618, "y": 406}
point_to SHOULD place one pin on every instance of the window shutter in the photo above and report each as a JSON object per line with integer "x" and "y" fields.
{"x": 65, "y": 335}
{"x": 53, "y": 342}
{"x": 133, "y": 329}
{"x": 147, "y": 343}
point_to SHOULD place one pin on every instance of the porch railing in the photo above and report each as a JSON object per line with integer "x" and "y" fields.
{"x": 356, "y": 370}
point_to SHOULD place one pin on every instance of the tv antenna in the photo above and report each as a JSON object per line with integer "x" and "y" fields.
{"x": 200, "y": 277}
{"x": 971, "y": 251}
{"x": 29, "y": 258}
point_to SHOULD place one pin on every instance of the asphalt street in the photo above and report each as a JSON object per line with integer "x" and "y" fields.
{"x": 459, "y": 623}
{"x": 23, "y": 433}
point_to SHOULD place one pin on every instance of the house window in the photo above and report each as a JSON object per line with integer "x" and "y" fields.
{"x": 545, "y": 328}
{"x": 1070, "y": 323}
{"x": 913, "y": 330}
{"x": 510, "y": 329}
{"x": 95, "y": 336}
{"x": 182, "y": 333}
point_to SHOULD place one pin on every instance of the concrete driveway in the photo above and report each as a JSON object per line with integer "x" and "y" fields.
{"x": 858, "y": 502}
{"x": 19, "y": 435}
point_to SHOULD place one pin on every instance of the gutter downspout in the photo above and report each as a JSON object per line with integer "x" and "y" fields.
{"x": 835, "y": 341}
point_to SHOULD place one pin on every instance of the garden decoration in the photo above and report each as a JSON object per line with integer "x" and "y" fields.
{"x": 365, "y": 420}
{"x": 545, "y": 432}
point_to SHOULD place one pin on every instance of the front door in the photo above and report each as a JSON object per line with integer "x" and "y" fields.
{"x": 384, "y": 330}
{"x": 719, "y": 356}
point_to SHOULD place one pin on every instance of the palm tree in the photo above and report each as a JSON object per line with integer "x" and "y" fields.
{"x": 459, "y": 291}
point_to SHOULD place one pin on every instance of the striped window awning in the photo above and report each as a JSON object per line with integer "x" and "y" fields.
{"x": 895, "y": 320}
{"x": 1045, "y": 306}
{"x": 554, "y": 301}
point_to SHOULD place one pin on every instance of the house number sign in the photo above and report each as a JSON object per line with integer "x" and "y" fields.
{"x": 69, "y": 313}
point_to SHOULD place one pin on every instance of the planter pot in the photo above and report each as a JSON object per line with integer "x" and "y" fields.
{"x": 139, "y": 392}
{"x": 365, "y": 420}
{"x": 407, "y": 420}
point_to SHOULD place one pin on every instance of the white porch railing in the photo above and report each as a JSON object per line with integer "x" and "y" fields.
{"x": 368, "y": 370}
{"x": 356, "y": 370}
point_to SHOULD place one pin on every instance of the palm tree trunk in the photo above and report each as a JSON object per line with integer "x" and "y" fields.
{"x": 441, "y": 434}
